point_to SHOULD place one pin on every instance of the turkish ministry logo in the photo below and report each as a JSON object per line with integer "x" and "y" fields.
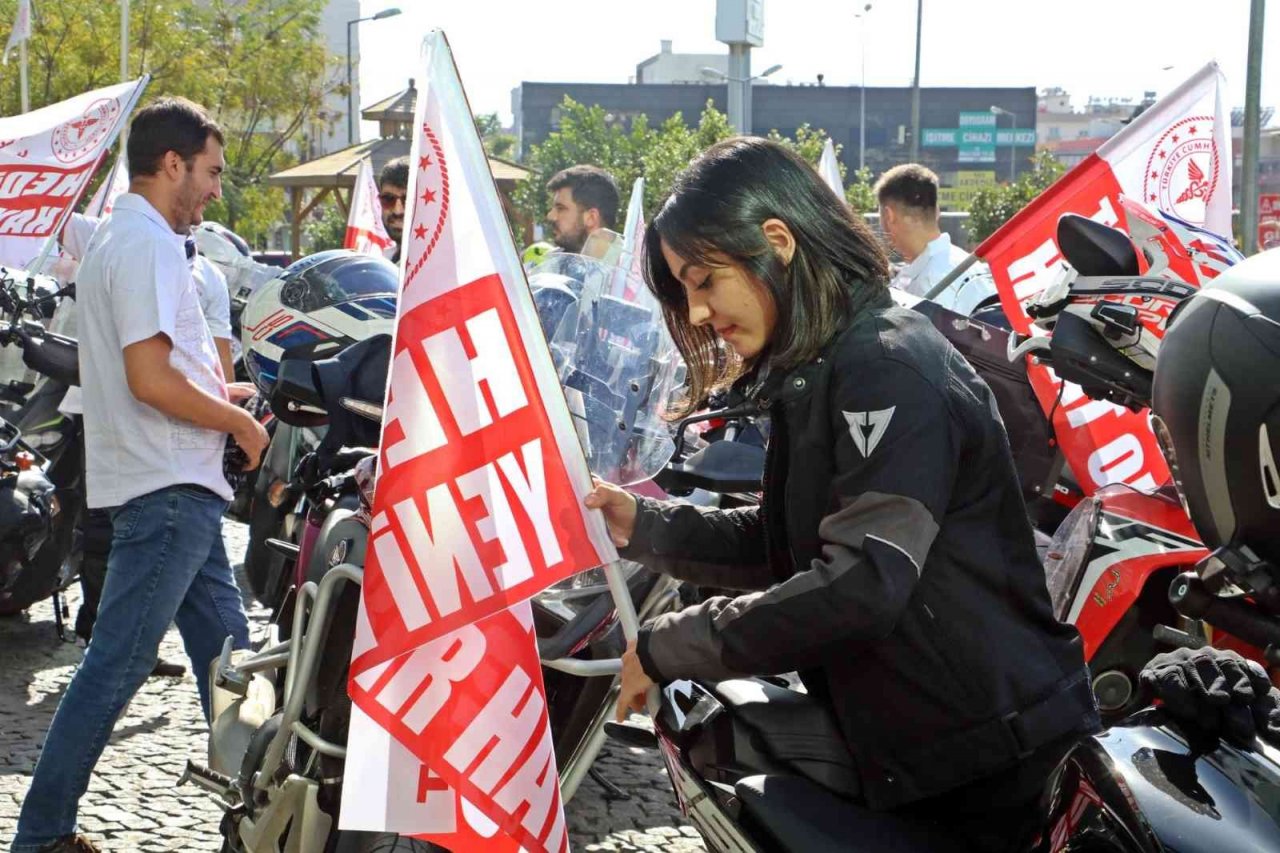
{"x": 1182, "y": 171}
{"x": 74, "y": 139}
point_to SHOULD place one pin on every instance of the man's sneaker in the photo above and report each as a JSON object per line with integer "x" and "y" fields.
{"x": 168, "y": 669}
{"x": 71, "y": 844}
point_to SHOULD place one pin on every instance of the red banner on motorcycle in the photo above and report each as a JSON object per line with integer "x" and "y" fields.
{"x": 1176, "y": 157}
{"x": 47, "y": 157}
{"x": 478, "y": 503}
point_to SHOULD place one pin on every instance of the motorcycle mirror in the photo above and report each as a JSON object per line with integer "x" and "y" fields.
{"x": 722, "y": 466}
{"x": 1094, "y": 249}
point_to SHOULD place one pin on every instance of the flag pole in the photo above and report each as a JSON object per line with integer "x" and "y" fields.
{"x": 952, "y": 276}
{"x": 22, "y": 73}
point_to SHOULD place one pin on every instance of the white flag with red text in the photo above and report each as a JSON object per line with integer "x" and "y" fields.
{"x": 478, "y": 507}
{"x": 47, "y": 157}
{"x": 365, "y": 232}
{"x": 1176, "y": 156}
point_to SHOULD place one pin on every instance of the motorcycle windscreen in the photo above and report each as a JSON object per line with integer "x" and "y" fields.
{"x": 617, "y": 364}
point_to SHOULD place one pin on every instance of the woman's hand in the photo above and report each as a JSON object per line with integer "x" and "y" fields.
{"x": 619, "y": 508}
{"x": 635, "y": 684}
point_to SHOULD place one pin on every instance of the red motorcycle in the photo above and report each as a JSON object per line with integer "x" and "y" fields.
{"x": 1112, "y": 560}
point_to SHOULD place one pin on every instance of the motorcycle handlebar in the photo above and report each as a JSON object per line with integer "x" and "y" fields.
{"x": 1191, "y": 598}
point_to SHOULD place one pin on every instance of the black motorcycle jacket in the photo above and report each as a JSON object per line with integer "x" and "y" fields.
{"x": 894, "y": 568}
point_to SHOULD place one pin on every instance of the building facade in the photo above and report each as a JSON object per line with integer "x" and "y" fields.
{"x": 962, "y": 139}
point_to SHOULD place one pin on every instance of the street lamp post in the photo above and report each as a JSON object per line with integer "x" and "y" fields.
{"x": 862, "y": 92}
{"x": 740, "y": 104}
{"x": 915, "y": 87}
{"x": 1013, "y": 140}
{"x": 351, "y": 110}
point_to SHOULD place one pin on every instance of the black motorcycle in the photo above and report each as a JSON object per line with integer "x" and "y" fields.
{"x": 28, "y": 512}
{"x": 756, "y": 765}
{"x": 44, "y": 433}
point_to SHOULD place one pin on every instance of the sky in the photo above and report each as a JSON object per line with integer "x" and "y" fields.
{"x": 1106, "y": 48}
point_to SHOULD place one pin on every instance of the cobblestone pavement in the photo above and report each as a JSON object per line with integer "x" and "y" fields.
{"x": 133, "y": 802}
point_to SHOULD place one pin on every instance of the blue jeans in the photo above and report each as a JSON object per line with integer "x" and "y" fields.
{"x": 167, "y": 564}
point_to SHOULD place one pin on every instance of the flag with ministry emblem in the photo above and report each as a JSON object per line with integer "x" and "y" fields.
{"x": 478, "y": 506}
{"x": 1176, "y": 159}
{"x": 47, "y": 157}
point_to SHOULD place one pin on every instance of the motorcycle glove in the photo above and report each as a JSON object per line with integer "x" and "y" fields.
{"x": 1217, "y": 691}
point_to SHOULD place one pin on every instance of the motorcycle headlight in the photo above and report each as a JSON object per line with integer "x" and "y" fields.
{"x": 1068, "y": 554}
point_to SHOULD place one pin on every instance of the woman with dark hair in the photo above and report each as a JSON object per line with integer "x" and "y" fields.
{"x": 891, "y": 562}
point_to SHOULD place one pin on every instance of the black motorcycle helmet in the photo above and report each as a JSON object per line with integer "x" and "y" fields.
{"x": 1216, "y": 406}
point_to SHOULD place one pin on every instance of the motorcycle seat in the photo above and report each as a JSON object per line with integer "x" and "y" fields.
{"x": 796, "y": 729}
{"x": 791, "y": 813}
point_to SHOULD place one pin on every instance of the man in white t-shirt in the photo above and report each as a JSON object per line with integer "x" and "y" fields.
{"x": 211, "y": 284}
{"x": 157, "y": 412}
{"x": 95, "y": 528}
{"x": 908, "y": 197}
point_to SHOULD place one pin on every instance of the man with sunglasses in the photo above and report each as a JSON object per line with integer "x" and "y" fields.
{"x": 393, "y": 186}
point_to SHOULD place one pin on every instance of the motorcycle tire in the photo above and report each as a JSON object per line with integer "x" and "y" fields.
{"x": 349, "y": 841}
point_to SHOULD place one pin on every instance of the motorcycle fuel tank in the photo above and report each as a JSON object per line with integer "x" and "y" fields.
{"x": 1149, "y": 786}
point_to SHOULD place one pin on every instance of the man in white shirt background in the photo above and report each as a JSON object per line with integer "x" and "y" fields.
{"x": 157, "y": 412}
{"x": 908, "y": 198}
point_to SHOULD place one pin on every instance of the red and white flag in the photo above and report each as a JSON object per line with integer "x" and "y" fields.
{"x": 1176, "y": 157}
{"x": 478, "y": 507}
{"x": 47, "y": 158}
{"x": 112, "y": 187}
{"x": 365, "y": 232}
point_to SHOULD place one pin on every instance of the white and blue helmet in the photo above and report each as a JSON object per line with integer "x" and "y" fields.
{"x": 316, "y": 307}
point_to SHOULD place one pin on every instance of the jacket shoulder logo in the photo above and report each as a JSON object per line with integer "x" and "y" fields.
{"x": 867, "y": 428}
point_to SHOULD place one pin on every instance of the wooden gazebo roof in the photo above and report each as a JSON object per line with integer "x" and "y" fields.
{"x": 336, "y": 172}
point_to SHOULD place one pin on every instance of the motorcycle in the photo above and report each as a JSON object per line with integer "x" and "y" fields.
{"x": 52, "y": 437}
{"x": 1112, "y": 560}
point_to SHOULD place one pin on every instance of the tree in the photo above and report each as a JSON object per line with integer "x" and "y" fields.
{"x": 586, "y": 135}
{"x": 326, "y": 230}
{"x": 994, "y": 206}
{"x": 261, "y": 68}
{"x": 590, "y": 135}
{"x": 497, "y": 142}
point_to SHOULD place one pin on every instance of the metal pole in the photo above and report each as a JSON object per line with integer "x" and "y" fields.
{"x": 1013, "y": 147}
{"x": 1252, "y": 136}
{"x": 22, "y": 74}
{"x": 738, "y": 65}
{"x": 915, "y": 88}
{"x": 350, "y": 91}
{"x": 862, "y": 100}
{"x": 124, "y": 41}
